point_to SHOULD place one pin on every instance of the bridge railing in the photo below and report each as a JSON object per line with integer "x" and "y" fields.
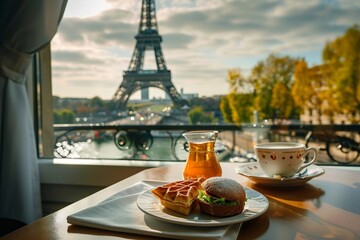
{"x": 337, "y": 144}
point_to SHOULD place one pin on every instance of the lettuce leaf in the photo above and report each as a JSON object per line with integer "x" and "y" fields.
{"x": 214, "y": 200}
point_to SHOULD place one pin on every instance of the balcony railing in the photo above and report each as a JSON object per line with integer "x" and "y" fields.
{"x": 337, "y": 144}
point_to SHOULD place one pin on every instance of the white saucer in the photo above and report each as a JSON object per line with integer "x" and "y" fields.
{"x": 253, "y": 172}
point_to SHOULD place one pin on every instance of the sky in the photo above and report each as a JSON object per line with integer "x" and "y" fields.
{"x": 202, "y": 40}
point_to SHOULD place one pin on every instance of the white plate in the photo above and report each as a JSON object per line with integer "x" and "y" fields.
{"x": 256, "y": 205}
{"x": 254, "y": 173}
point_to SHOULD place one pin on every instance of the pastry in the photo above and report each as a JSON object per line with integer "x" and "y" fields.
{"x": 180, "y": 196}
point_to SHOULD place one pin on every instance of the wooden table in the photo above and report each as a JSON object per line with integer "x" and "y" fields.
{"x": 326, "y": 207}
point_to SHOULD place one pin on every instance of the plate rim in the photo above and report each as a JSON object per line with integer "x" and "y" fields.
{"x": 265, "y": 180}
{"x": 216, "y": 221}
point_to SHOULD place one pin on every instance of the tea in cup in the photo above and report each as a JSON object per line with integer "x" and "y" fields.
{"x": 201, "y": 161}
{"x": 283, "y": 159}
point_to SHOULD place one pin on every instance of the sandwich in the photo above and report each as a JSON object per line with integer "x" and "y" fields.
{"x": 221, "y": 197}
{"x": 180, "y": 196}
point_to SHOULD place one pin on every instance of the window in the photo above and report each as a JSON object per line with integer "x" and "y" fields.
{"x": 249, "y": 70}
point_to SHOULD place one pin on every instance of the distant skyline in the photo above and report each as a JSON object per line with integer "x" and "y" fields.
{"x": 201, "y": 40}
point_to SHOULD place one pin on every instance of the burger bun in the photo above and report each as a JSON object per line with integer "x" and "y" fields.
{"x": 230, "y": 190}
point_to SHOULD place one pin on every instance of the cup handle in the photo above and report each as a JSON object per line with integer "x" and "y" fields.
{"x": 315, "y": 155}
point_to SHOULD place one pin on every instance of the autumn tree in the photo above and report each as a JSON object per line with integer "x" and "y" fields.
{"x": 306, "y": 88}
{"x": 237, "y": 82}
{"x": 273, "y": 79}
{"x": 236, "y": 107}
{"x": 226, "y": 109}
{"x": 342, "y": 57}
{"x": 241, "y": 105}
{"x": 282, "y": 97}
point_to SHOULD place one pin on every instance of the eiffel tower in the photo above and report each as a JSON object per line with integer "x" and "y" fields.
{"x": 136, "y": 78}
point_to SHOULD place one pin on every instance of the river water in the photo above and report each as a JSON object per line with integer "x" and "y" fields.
{"x": 161, "y": 149}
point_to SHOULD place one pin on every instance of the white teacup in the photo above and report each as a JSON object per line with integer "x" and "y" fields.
{"x": 283, "y": 158}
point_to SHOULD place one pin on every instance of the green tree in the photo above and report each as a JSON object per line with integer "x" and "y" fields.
{"x": 342, "y": 59}
{"x": 96, "y": 102}
{"x": 56, "y": 117}
{"x": 206, "y": 103}
{"x": 64, "y": 116}
{"x": 197, "y": 116}
{"x": 271, "y": 78}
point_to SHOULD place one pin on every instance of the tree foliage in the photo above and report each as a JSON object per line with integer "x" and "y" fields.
{"x": 283, "y": 102}
{"x": 342, "y": 59}
{"x": 197, "y": 116}
{"x": 64, "y": 116}
{"x": 236, "y": 107}
{"x": 241, "y": 107}
{"x": 302, "y": 89}
{"x": 273, "y": 79}
{"x": 267, "y": 90}
{"x": 333, "y": 87}
{"x": 206, "y": 103}
{"x": 311, "y": 90}
{"x": 96, "y": 102}
{"x": 237, "y": 81}
{"x": 226, "y": 109}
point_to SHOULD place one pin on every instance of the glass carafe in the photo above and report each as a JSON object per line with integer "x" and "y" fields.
{"x": 201, "y": 161}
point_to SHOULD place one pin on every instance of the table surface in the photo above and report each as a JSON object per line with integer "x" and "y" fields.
{"x": 326, "y": 207}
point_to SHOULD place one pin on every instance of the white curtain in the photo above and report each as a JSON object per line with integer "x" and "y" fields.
{"x": 25, "y": 27}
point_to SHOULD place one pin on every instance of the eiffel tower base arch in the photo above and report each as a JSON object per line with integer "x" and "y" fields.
{"x": 136, "y": 80}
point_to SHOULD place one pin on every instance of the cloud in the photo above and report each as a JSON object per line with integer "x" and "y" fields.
{"x": 108, "y": 28}
{"x": 177, "y": 40}
{"x": 75, "y": 56}
{"x": 201, "y": 39}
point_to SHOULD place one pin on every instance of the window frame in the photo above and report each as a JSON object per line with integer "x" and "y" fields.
{"x": 39, "y": 87}
{"x": 40, "y": 94}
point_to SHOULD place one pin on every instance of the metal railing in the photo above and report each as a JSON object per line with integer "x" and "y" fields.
{"x": 338, "y": 144}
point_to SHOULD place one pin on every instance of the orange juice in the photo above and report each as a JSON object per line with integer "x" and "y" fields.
{"x": 202, "y": 161}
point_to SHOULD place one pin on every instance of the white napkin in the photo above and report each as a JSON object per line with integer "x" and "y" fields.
{"x": 120, "y": 213}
